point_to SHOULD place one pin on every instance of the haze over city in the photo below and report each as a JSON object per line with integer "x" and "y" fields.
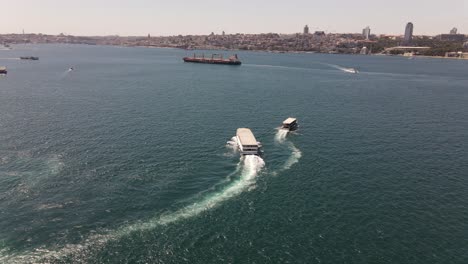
{"x": 163, "y": 18}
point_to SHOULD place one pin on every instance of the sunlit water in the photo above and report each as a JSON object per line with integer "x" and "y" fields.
{"x": 124, "y": 158}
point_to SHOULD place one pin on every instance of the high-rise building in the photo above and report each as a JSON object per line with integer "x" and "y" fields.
{"x": 366, "y": 32}
{"x": 408, "y": 34}
{"x": 306, "y": 29}
{"x": 453, "y": 31}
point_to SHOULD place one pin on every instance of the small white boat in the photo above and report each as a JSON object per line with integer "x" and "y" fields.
{"x": 351, "y": 70}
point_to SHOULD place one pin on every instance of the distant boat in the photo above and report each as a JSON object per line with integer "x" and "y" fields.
{"x": 290, "y": 124}
{"x": 29, "y": 58}
{"x": 350, "y": 70}
{"x": 214, "y": 59}
{"x": 3, "y": 70}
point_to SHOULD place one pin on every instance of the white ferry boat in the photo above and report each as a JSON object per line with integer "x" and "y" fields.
{"x": 290, "y": 124}
{"x": 246, "y": 142}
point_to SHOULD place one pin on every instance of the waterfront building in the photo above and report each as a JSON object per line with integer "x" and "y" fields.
{"x": 366, "y": 32}
{"x": 306, "y": 29}
{"x": 408, "y": 34}
{"x": 452, "y": 37}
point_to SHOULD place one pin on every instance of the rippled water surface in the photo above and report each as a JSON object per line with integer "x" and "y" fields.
{"x": 124, "y": 158}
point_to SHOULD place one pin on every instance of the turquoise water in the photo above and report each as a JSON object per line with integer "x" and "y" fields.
{"x": 124, "y": 159}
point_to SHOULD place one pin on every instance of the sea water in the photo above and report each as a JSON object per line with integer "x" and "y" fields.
{"x": 124, "y": 159}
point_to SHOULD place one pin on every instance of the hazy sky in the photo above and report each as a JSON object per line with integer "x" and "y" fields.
{"x": 140, "y": 17}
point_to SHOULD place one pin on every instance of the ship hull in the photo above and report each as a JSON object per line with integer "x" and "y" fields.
{"x": 210, "y": 61}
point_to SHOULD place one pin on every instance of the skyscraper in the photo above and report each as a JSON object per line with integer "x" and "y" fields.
{"x": 306, "y": 29}
{"x": 408, "y": 34}
{"x": 366, "y": 32}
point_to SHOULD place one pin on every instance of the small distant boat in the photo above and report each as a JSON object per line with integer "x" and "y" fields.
{"x": 3, "y": 70}
{"x": 214, "y": 59}
{"x": 29, "y": 58}
{"x": 351, "y": 70}
{"x": 246, "y": 142}
{"x": 70, "y": 69}
{"x": 290, "y": 124}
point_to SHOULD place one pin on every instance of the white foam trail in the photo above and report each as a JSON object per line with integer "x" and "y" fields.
{"x": 232, "y": 143}
{"x": 55, "y": 164}
{"x": 65, "y": 73}
{"x": 280, "y": 136}
{"x": 296, "y": 154}
{"x": 252, "y": 164}
{"x": 344, "y": 69}
{"x": 249, "y": 167}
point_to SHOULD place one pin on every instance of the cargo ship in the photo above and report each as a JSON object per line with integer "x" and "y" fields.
{"x": 3, "y": 70}
{"x": 214, "y": 59}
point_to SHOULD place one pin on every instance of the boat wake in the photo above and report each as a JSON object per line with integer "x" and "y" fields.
{"x": 251, "y": 166}
{"x": 344, "y": 69}
{"x": 296, "y": 154}
{"x": 294, "y": 158}
{"x": 242, "y": 179}
{"x": 65, "y": 73}
{"x": 280, "y": 136}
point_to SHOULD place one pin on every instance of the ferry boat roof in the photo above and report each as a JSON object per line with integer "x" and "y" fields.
{"x": 289, "y": 120}
{"x": 246, "y": 137}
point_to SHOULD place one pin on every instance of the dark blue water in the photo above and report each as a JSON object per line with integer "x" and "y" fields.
{"x": 124, "y": 159}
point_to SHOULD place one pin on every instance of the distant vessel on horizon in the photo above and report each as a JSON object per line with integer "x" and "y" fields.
{"x": 3, "y": 70}
{"x": 351, "y": 70}
{"x": 214, "y": 59}
{"x": 29, "y": 58}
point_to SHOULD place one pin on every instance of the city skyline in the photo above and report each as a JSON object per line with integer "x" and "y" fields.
{"x": 140, "y": 17}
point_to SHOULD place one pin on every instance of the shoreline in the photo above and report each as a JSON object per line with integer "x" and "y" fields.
{"x": 243, "y": 50}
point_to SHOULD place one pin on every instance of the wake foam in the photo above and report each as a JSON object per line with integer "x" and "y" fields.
{"x": 280, "y": 136}
{"x": 252, "y": 165}
{"x": 294, "y": 158}
{"x": 65, "y": 73}
{"x": 296, "y": 153}
{"x": 247, "y": 169}
{"x": 343, "y": 69}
